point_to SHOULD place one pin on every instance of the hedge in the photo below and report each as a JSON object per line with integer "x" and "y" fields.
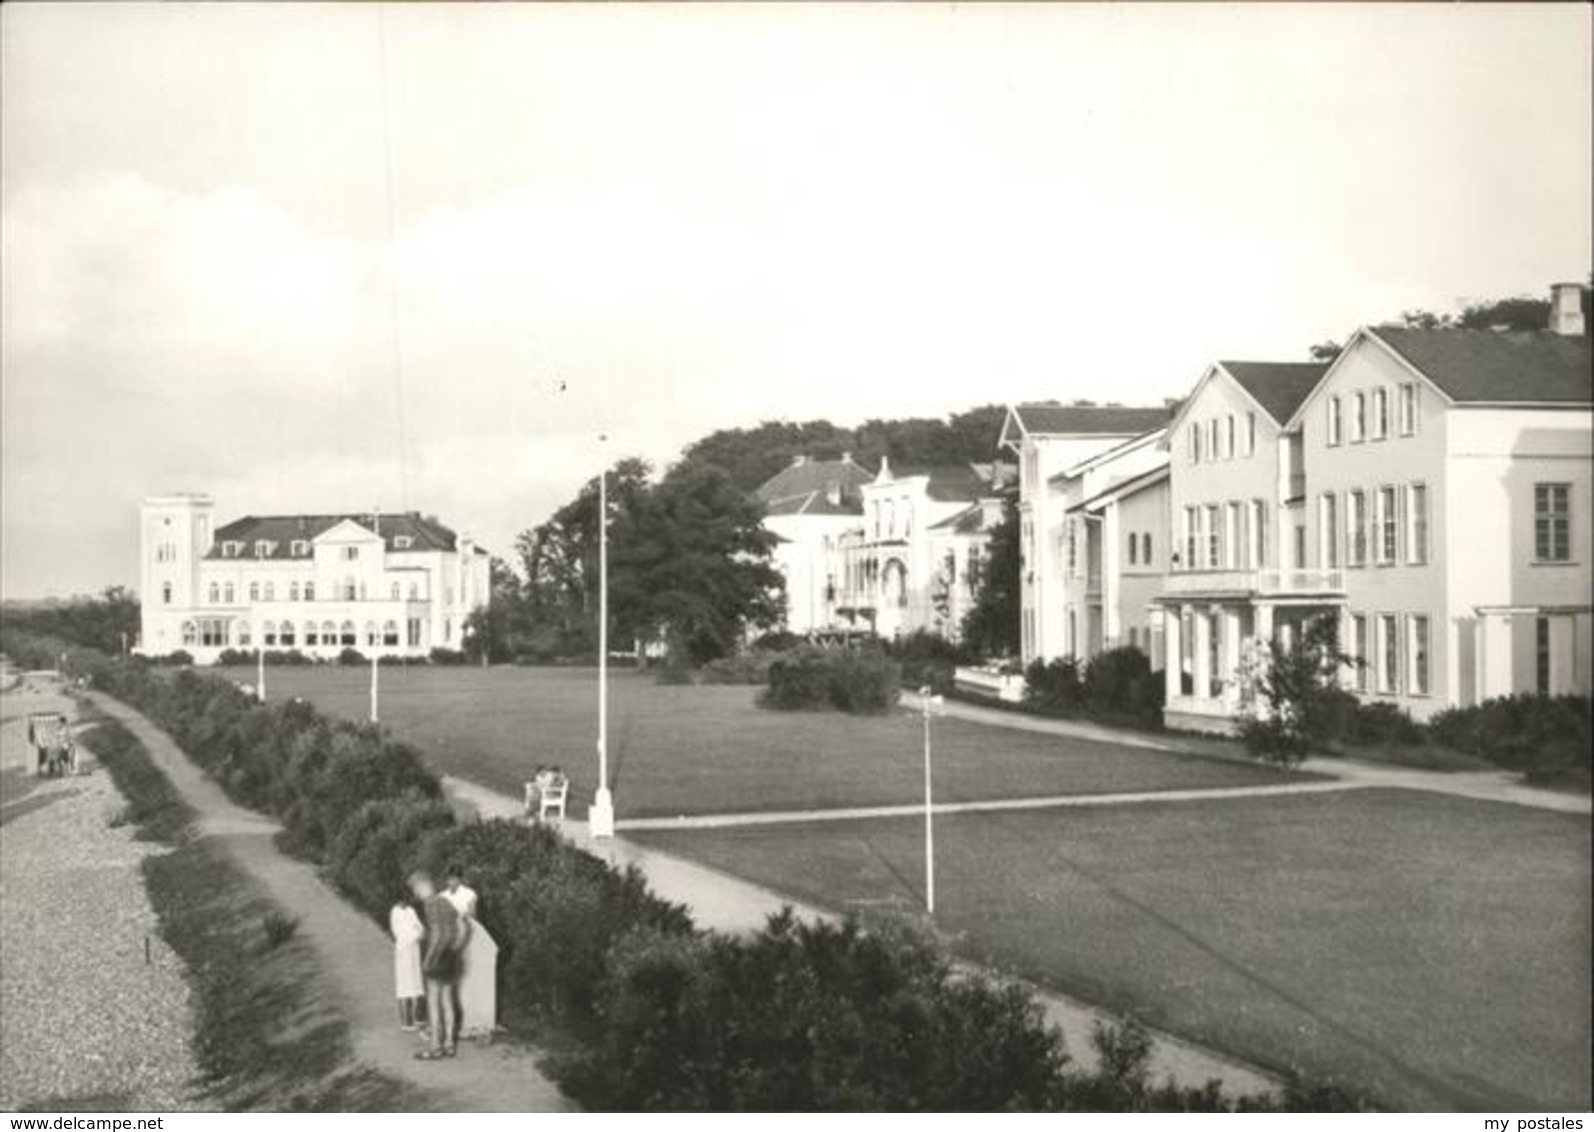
{"x": 1115, "y": 686}
{"x": 861, "y": 681}
{"x": 648, "y": 1011}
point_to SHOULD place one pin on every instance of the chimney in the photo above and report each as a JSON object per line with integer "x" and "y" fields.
{"x": 833, "y": 492}
{"x": 885, "y": 470}
{"x": 1566, "y": 309}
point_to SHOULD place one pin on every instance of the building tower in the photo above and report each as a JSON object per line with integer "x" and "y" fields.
{"x": 174, "y": 534}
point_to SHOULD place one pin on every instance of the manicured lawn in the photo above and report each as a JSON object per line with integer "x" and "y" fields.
{"x": 684, "y": 750}
{"x": 1433, "y": 951}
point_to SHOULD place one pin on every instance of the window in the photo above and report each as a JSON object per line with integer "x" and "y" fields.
{"x": 390, "y": 633}
{"x": 285, "y": 635}
{"x": 1335, "y": 421}
{"x": 394, "y": 591}
{"x": 1380, "y": 414}
{"x": 1355, "y": 528}
{"x": 351, "y": 553}
{"x": 414, "y": 632}
{"x": 166, "y": 593}
{"x": 1250, "y": 433}
{"x": 1145, "y": 548}
{"x": 1195, "y": 443}
{"x": 1387, "y": 526}
{"x": 254, "y": 591}
{"x": 448, "y": 630}
{"x": 309, "y": 591}
{"x": 269, "y": 592}
{"x": 1417, "y": 650}
{"x": 1258, "y": 539}
{"x": 262, "y": 548}
{"x": 329, "y": 633}
{"x": 1541, "y": 655}
{"x": 215, "y": 594}
{"x": 415, "y": 592}
{"x": 1358, "y": 650}
{"x": 1328, "y": 530}
{"x": 1300, "y": 546}
{"x": 268, "y": 633}
{"x": 1358, "y": 418}
{"x": 231, "y": 549}
{"x": 1228, "y": 437}
{"x": 1417, "y": 524}
{"x": 1073, "y": 549}
{"x": 1408, "y": 408}
{"x": 1552, "y": 522}
{"x": 370, "y": 633}
{"x": 293, "y": 591}
{"x": 1134, "y": 548}
{"x": 213, "y": 632}
{"x": 1209, "y": 534}
{"x": 300, "y": 548}
{"x": 227, "y": 593}
{"x": 1388, "y": 653}
{"x": 1232, "y": 550}
{"x": 1212, "y": 439}
{"x": 402, "y": 542}
{"x": 1190, "y": 532}
{"x": 311, "y": 636}
{"x": 243, "y": 633}
{"x": 346, "y": 634}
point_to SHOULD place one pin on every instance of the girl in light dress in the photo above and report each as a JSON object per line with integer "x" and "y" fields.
{"x": 407, "y": 931}
{"x": 478, "y": 985}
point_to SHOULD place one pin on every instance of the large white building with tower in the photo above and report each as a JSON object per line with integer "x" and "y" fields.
{"x": 387, "y": 584}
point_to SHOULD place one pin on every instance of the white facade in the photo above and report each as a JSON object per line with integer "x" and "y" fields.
{"x": 1055, "y": 446}
{"x": 390, "y": 585}
{"x": 1116, "y": 542}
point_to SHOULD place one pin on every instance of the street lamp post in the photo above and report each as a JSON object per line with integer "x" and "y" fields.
{"x": 928, "y": 702}
{"x": 374, "y": 668}
{"x": 260, "y": 673}
{"x": 600, "y": 819}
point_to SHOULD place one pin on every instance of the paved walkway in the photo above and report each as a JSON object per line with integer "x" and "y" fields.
{"x": 1483, "y": 786}
{"x": 356, "y": 952}
{"x": 729, "y": 904}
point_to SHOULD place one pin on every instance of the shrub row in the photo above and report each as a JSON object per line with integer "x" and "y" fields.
{"x": 860, "y": 680}
{"x": 658, "y": 1015}
{"x": 1115, "y": 686}
{"x": 1548, "y": 737}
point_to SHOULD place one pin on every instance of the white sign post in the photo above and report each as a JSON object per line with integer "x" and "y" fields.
{"x": 260, "y": 674}
{"x": 600, "y": 818}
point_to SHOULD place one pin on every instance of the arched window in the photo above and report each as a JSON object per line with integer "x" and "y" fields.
{"x": 346, "y": 634}
{"x": 390, "y": 635}
{"x": 271, "y": 591}
{"x": 215, "y": 594}
{"x": 243, "y": 633}
{"x": 227, "y": 593}
{"x": 370, "y": 633}
{"x": 415, "y": 592}
{"x": 311, "y": 638}
{"x": 254, "y": 591}
{"x": 166, "y": 593}
{"x": 285, "y": 635}
{"x": 268, "y": 634}
{"x": 293, "y": 591}
{"x": 309, "y": 591}
{"x": 347, "y": 589}
{"x": 329, "y": 633}
{"x": 190, "y": 634}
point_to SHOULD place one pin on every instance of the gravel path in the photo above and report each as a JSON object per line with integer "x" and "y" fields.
{"x": 85, "y": 1022}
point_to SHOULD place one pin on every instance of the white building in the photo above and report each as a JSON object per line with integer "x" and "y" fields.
{"x": 808, "y": 506}
{"x": 392, "y": 585}
{"x": 1055, "y": 445}
{"x": 915, "y": 561}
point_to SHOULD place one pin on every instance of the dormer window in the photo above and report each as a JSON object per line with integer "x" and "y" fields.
{"x": 300, "y": 548}
{"x": 402, "y": 542}
{"x": 262, "y": 549}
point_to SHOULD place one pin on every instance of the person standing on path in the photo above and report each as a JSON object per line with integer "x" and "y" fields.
{"x": 408, "y": 984}
{"x": 478, "y": 984}
{"x": 440, "y": 964}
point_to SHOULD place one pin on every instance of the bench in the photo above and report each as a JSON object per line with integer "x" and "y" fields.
{"x": 545, "y": 795}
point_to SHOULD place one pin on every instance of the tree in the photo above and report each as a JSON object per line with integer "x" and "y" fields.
{"x": 1291, "y": 698}
{"x": 492, "y": 630}
{"x": 691, "y": 564}
{"x": 991, "y": 627}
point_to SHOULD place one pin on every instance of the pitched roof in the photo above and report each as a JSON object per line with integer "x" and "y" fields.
{"x": 1533, "y": 366}
{"x": 1279, "y": 387}
{"x": 803, "y": 487}
{"x": 1149, "y": 478}
{"x": 424, "y": 533}
{"x": 968, "y": 521}
{"x": 1089, "y": 420}
{"x": 951, "y": 483}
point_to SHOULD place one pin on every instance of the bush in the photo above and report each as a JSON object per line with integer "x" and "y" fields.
{"x": 1055, "y": 687}
{"x": 780, "y": 640}
{"x": 1381, "y": 725}
{"x": 1119, "y": 685}
{"x": 674, "y": 674}
{"x": 861, "y": 681}
{"x": 278, "y": 928}
{"x": 177, "y": 658}
{"x": 1547, "y": 737}
{"x": 444, "y": 656}
{"x": 745, "y": 668}
{"x": 928, "y": 659}
{"x": 351, "y": 656}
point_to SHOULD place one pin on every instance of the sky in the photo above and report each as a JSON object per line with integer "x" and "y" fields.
{"x": 332, "y": 257}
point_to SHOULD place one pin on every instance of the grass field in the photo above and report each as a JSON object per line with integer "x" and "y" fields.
{"x": 1433, "y": 951}
{"x": 686, "y": 750}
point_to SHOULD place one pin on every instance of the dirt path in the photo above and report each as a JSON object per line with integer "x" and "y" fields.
{"x": 356, "y": 952}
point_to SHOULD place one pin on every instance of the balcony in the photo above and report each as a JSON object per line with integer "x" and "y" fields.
{"x": 1256, "y": 583}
